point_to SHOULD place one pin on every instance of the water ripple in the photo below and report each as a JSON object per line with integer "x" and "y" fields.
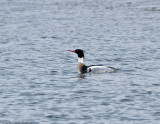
{"x": 39, "y": 80}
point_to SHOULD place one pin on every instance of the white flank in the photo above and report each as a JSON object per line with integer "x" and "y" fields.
{"x": 101, "y": 69}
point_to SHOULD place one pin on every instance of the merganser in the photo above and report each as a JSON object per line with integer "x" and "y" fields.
{"x": 82, "y": 68}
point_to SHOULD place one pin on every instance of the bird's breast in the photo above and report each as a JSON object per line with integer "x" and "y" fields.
{"x": 81, "y": 68}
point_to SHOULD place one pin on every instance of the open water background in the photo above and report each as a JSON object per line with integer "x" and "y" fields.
{"x": 39, "y": 83}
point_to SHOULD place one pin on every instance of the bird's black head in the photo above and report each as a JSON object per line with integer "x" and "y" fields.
{"x": 79, "y": 52}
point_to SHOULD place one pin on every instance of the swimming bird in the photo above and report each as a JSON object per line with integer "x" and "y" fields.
{"x": 82, "y": 68}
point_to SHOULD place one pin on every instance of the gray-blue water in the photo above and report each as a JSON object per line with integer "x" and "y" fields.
{"x": 39, "y": 82}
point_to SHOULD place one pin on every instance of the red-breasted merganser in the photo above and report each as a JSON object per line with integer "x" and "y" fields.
{"x": 82, "y": 68}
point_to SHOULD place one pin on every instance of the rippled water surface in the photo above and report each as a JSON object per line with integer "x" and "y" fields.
{"x": 39, "y": 82}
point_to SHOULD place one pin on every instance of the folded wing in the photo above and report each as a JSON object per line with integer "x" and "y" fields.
{"x": 100, "y": 69}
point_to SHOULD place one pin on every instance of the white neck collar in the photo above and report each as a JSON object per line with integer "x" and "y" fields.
{"x": 80, "y": 60}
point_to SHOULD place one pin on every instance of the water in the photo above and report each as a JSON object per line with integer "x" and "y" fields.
{"x": 39, "y": 83}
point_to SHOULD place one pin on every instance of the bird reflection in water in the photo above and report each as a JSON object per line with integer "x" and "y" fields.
{"x": 81, "y": 76}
